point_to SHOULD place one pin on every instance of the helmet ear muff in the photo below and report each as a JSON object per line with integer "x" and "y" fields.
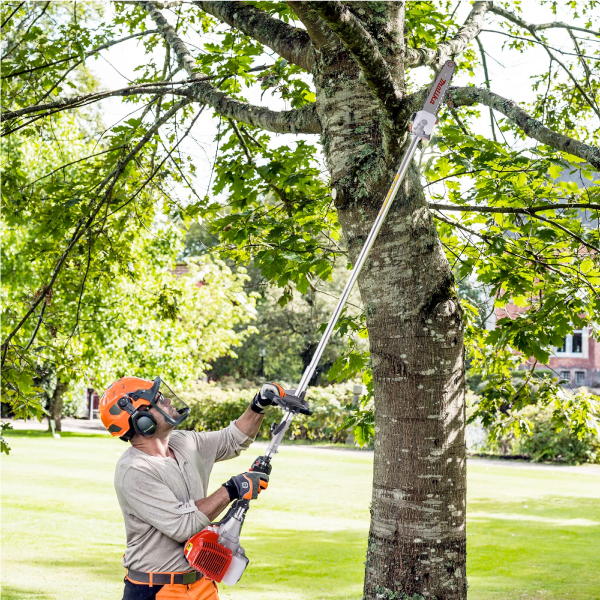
{"x": 142, "y": 422}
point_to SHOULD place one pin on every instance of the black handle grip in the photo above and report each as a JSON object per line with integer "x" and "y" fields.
{"x": 262, "y": 465}
{"x": 294, "y": 404}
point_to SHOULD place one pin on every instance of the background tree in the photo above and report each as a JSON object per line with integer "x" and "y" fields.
{"x": 348, "y": 73}
{"x": 118, "y": 307}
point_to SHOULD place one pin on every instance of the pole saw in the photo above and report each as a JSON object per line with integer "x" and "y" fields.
{"x": 216, "y": 551}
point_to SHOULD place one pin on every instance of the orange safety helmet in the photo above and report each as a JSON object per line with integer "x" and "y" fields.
{"x": 121, "y": 403}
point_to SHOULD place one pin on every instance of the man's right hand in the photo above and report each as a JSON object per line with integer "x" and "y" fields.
{"x": 246, "y": 485}
{"x": 260, "y": 403}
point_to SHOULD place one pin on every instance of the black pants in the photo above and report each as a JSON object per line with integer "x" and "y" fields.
{"x": 140, "y": 591}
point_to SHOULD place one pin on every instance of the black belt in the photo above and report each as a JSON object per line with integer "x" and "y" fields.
{"x": 153, "y": 578}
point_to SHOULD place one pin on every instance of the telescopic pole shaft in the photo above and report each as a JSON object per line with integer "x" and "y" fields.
{"x": 360, "y": 261}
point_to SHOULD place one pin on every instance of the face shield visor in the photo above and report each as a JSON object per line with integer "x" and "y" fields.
{"x": 166, "y": 402}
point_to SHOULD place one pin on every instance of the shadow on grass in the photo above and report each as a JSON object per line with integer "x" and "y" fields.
{"x": 10, "y": 592}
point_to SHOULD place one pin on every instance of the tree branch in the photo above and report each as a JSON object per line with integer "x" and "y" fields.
{"x": 251, "y": 162}
{"x": 185, "y": 60}
{"x": 532, "y": 28}
{"x": 321, "y": 36}
{"x": 11, "y": 15}
{"x": 510, "y": 209}
{"x": 524, "y": 211}
{"x": 468, "y": 96}
{"x": 291, "y": 43}
{"x": 84, "y": 99}
{"x": 568, "y": 232}
{"x": 363, "y": 48}
{"x": 488, "y": 239}
{"x": 532, "y": 40}
{"x": 502, "y": 12}
{"x": 154, "y": 87}
{"x": 416, "y": 57}
{"x": 301, "y": 120}
{"x": 87, "y": 54}
{"x": 487, "y": 82}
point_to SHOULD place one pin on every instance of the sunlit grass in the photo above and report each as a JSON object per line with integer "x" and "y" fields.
{"x": 533, "y": 533}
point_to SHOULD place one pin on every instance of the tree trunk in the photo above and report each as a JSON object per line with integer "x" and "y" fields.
{"x": 55, "y": 406}
{"x": 417, "y": 540}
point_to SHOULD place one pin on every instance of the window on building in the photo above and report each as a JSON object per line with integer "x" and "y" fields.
{"x": 574, "y": 344}
{"x": 577, "y": 343}
{"x": 579, "y": 377}
{"x": 565, "y": 375}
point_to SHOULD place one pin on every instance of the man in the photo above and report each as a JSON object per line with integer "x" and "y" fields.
{"x": 161, "y": 483}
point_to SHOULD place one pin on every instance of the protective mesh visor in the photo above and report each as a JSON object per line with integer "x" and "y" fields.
{"x": 168, "y": 403}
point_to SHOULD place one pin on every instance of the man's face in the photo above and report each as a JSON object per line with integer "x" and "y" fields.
{"x": 166, "y": 406}
{"x": 162, "y": 427}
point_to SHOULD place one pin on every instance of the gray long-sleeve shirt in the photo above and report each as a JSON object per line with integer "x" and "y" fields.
{"x": 157, "y": 495}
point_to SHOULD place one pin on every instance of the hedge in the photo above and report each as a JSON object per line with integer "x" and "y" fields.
{"x": 213, "y": 408}
{"x": 545, "y": 444}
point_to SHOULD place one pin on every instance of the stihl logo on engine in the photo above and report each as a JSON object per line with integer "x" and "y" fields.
{"x": 438, "y": 89}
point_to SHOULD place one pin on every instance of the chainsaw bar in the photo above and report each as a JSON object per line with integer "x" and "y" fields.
{"x": 439, "y": 88}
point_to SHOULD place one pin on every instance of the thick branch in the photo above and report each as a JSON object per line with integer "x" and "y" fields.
{"x": 502, "y": 12}
{"x": 468, "y": 96}
{"x": 154, "y": 87}
{"x": 416, "y": 57}
{"x": 302, "y": 120}
{"x": 185, "y": 60}
{"x": 363, "y": 48}
{"x": 291, "y": 43}
{"x": 322, "y": 37}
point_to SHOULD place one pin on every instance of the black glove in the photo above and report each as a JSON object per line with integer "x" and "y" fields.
{"x": 260, "y": 403}
{"x": 246, "y": 485}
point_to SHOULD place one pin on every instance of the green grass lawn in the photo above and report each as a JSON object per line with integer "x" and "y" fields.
{"x": 533, "y": 533}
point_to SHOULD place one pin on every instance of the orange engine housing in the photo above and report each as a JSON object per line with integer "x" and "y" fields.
{"x": 205, "y": 554}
